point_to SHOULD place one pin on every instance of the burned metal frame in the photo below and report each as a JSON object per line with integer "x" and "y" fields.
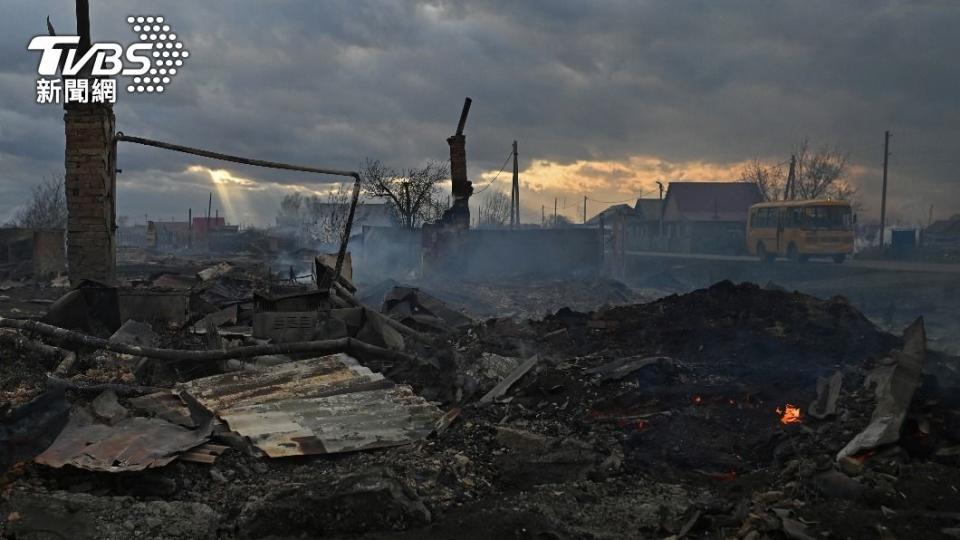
{"x": 341, "y": 254}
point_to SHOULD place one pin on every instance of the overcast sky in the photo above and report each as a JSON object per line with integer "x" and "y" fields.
{"x": 604, "y": 97}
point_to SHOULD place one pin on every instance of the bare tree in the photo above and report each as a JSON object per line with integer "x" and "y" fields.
{"x": 439, "y": 203}
{"x": 769, "y": 179}
{"x": 290, "y": 210}
{"x": 47, "y": 207}
{"x": 410, "y": 193}
{"x": 326, "y": 220}
{"x": 818, "y": 174}
{"x": 494, "y": 210}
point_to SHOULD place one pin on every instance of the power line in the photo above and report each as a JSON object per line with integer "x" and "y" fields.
{"x": 612, "y": 202}
{"x": 497, "y": 175}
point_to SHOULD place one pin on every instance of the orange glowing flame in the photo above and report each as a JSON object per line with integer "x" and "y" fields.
{"x": 697, "y": 399}
{"x": 789, "y": 415}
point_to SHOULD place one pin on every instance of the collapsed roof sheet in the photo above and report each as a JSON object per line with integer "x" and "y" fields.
{"x": 318, "y": 406}
{"x": 134, "y": 444}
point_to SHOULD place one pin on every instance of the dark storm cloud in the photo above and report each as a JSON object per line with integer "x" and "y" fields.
{"x": 329, "y": 83}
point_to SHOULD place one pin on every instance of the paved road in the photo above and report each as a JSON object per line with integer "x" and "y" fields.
{"x": 898, "y": 266}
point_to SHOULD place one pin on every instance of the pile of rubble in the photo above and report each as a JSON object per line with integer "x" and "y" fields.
{"x": 285, "y": 410}
{"x": 522, "y": 297}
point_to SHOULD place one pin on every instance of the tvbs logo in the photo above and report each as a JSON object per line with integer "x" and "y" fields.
{"x": 107, "y": 58}
{"x": 151, "y": 64}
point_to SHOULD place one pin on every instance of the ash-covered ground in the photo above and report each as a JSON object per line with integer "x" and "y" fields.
{"x": 719, "y": 413}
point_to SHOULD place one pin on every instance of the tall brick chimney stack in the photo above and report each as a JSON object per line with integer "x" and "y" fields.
{"x": 459, "y": 213}
{"x": 91, "y": 183}
{"x": 91, "y": 180}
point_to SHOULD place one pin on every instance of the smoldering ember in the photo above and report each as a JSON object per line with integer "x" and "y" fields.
{"x": 410, "y": 355}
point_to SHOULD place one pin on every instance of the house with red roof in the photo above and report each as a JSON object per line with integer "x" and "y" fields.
{"x": 708, "y": 217}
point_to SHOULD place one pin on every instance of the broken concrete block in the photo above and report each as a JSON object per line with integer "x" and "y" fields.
{"x": 894, "y": 392}
{"x": 107, "y": 408}
{"x": 136, "y": 333}
{"x": 503, "y": 386}
{"x": 828, "y": 390}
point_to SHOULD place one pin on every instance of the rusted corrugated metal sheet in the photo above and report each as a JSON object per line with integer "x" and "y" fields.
{"x": 317, "y": 406}
{"x": 134, "y": 444}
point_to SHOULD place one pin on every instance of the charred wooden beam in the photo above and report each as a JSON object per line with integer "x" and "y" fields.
{"x": 322, "y": 347}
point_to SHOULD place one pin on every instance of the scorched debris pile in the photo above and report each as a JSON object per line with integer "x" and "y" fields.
{"x": 729, "y": 412}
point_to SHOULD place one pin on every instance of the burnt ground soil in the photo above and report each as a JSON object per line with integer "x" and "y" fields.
{"x": 692, "y": 445}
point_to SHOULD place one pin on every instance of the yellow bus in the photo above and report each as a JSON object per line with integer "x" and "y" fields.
{"x": 799, "y": 230}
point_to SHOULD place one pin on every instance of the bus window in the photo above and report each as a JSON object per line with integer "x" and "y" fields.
{"x": 765, "y": 221}
{"x": 827, "y": 217}
{"x": 814, "y": 218}
{"x": 795, "y": 217}
{"x": 841, "y": 217}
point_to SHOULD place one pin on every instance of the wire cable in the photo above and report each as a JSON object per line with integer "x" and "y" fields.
{"x": 613, "y": 202}
{"x": 490, "y": 183}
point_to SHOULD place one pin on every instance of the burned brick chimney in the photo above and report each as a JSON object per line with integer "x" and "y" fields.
{"x": 91, "y": 180}
{"x": 458, "y": 214}
{"x": 443, "y": 240}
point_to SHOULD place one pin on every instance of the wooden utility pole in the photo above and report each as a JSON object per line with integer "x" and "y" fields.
{"x": 584, "y": 209}
{"x": 790, "y": 190}
{"x": 515, "y": 191}
{"x": 883, "y": 194}
{"x": 543, "y": 216}
{"x": 554, "y": 211}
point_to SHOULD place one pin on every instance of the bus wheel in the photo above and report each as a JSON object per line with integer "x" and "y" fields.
{"x": 762, "y": 253}
{"x": 792, "y": 253}
{"x": 839, "y": 258}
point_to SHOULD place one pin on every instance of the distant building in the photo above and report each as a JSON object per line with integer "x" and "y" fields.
{"x": 168, "y": 234}
{"x": 648, "y": 209}
{"x": 37, "y": 253}
{"x": 310, "y": 229}
{"x": 943, "y": 235}
{"x": 708, "y": 217}
{"x": 609, "y": 215}
{"x": 201, "y": 233}
{"x": 132, "y": 235}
